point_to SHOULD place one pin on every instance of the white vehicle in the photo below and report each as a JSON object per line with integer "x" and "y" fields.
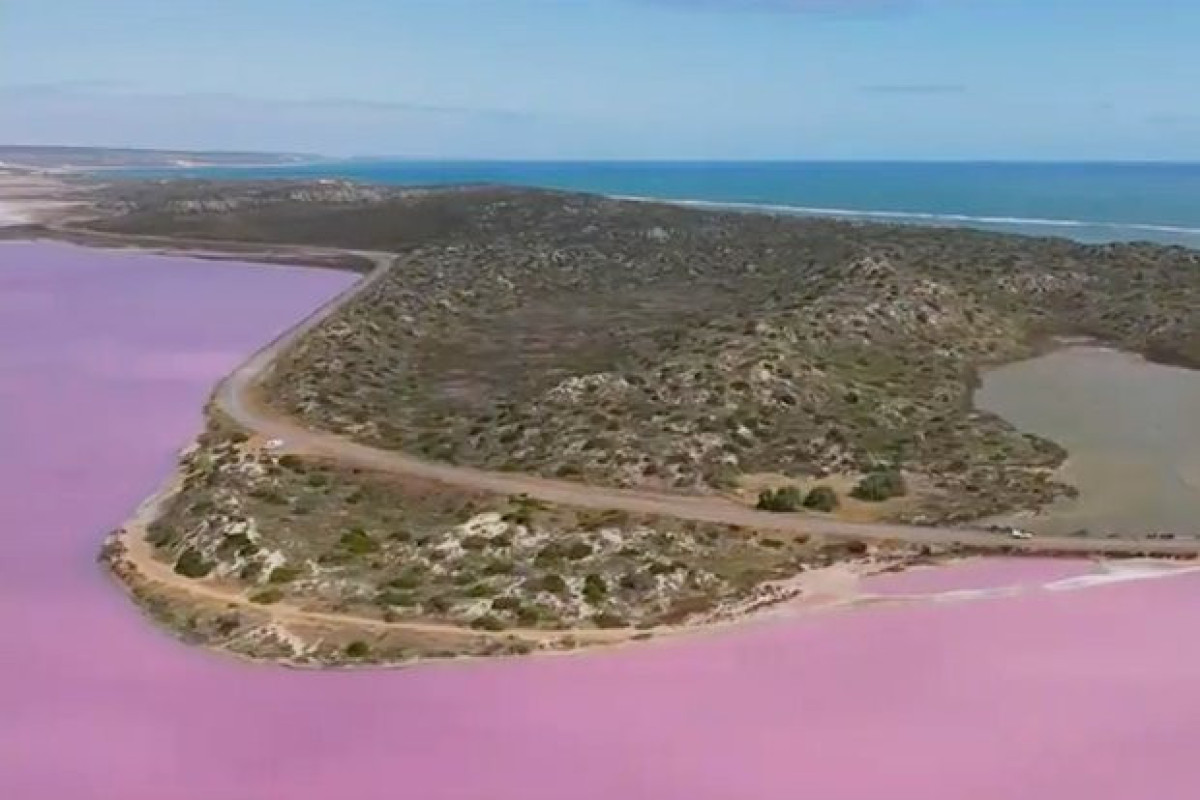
{"x": 274, "y": 444}
{"x": 1017, "y": 533}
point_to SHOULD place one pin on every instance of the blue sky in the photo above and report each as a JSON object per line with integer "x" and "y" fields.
{"x": 691, "y": 79}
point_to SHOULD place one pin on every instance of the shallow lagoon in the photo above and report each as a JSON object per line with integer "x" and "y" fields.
{"x": 105, "y": 361}
{"x": 1130, "y": 426}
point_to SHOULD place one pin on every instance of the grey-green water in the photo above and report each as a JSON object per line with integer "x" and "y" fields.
{"x": 1132, "y": 429}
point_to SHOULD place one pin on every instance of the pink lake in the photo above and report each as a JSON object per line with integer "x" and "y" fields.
{"x": 105, "y": 361}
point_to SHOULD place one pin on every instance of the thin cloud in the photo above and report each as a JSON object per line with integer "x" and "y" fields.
{"x": 914, "y": 88}
{"x": 64, "y": 87}
{"x": 399, "y": 107}
{"x": 1174, "y": 120}
{"x": 102, "y": 91}
{"x": 230, "y": 121}
{"x": 825, "y": 7}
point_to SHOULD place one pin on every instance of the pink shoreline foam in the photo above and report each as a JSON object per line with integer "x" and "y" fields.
{"x": 1043, "y": 696}
{"x": 977, "y": 574}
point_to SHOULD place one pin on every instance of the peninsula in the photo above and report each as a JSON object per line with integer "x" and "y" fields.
{"x": 688, "y": 372}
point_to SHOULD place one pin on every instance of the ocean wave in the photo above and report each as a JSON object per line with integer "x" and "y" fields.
{"x": 925, "y": 217}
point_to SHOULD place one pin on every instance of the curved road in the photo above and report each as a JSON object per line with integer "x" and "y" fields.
{"x": 239, "y": 397}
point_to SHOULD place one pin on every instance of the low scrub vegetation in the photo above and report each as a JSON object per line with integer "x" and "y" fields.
{"x": 880, "y": 486}
{"x": 380, "y": 547}
{"x": 784, "y": 499}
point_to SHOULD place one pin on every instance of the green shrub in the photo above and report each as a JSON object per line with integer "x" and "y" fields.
{"x": 783, "y": 500}
{"x": 390, "y": 597}
{"x": 193, "y": 565}
{"x": 480, "y": 590}
{"x": 662, "y": 568}
{"x": 439, "y": 604}
{"x": 241, "y": 544}
{"x": 506, "y": 603}
{"x": 161, "y": 534}
{"x": 291, "y": 462}
{"x": 358, "y": 541}
{"x": 266, "y": 597}
{"x": 268, "y": 494}
{"x": 609, "y": 619}
{"x": 518, "y": 516}
{"x": 358, "y": 649}
{"x": 549, "y": 555}
{"x": 410, "y": 578}
{"x": 822, "y": 498}
{"x": 578, "y": 550}
{"x": 595, "y": 588}
{"x": 880, "y": 486}
{"x": 552, "y": 583}
{"x": 499, "y": 566}
{"x": 488, "y": 622}
{"x": 284, "y": 574}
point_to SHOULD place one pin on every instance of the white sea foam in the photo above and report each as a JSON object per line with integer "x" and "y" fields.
{"x": 1123, "y": 573}
{"x": 919, "y": 216}
{"x": 962, "y": 595}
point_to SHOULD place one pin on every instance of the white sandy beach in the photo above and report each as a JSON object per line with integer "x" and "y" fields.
{"x": 28, "y": 198}
{"x": 12, "y": 213}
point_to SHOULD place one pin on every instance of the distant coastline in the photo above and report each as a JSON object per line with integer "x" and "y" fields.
{"x": 1090, "y": 203}
{"x": 916, "y": 217}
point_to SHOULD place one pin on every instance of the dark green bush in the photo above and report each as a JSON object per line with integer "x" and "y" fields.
{"x": 410, "y": 578}
{"x": 193, "y": 565}
{"x": 284, "y": 574}
{"x": 358, "y": 541}
{"x": 609, "y": 619}
{"x": 578, "y": 550}
{"x": 822, "y": 498}
{"x": 552, "y": 583}
{"x": 480, "y": 590}
{"x": 358, "y": 649}
{"x": 291, "y": 462}
{"x": 266, "y": 597}
{"x": 506, "y": 604}
{"x": 390, "y": 597}
{"x": 488, "y": 622}
{"x": 880, "y": 486}
{"x": 595, "y": 588}
{"x": 161, "y": 534}
{"x": 782, "y": 500}
{"x": 439, "y": 604}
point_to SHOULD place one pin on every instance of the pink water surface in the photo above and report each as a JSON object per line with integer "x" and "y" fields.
{"x": 104, "y": 362}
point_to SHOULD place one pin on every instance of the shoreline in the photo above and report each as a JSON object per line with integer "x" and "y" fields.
{"x": 985, "y": 224}
{"x": 1135, "y": 233}
{"x": 924, "y": 219}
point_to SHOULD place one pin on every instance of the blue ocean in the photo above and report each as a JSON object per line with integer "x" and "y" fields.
{"x": 1087, "y": 202}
